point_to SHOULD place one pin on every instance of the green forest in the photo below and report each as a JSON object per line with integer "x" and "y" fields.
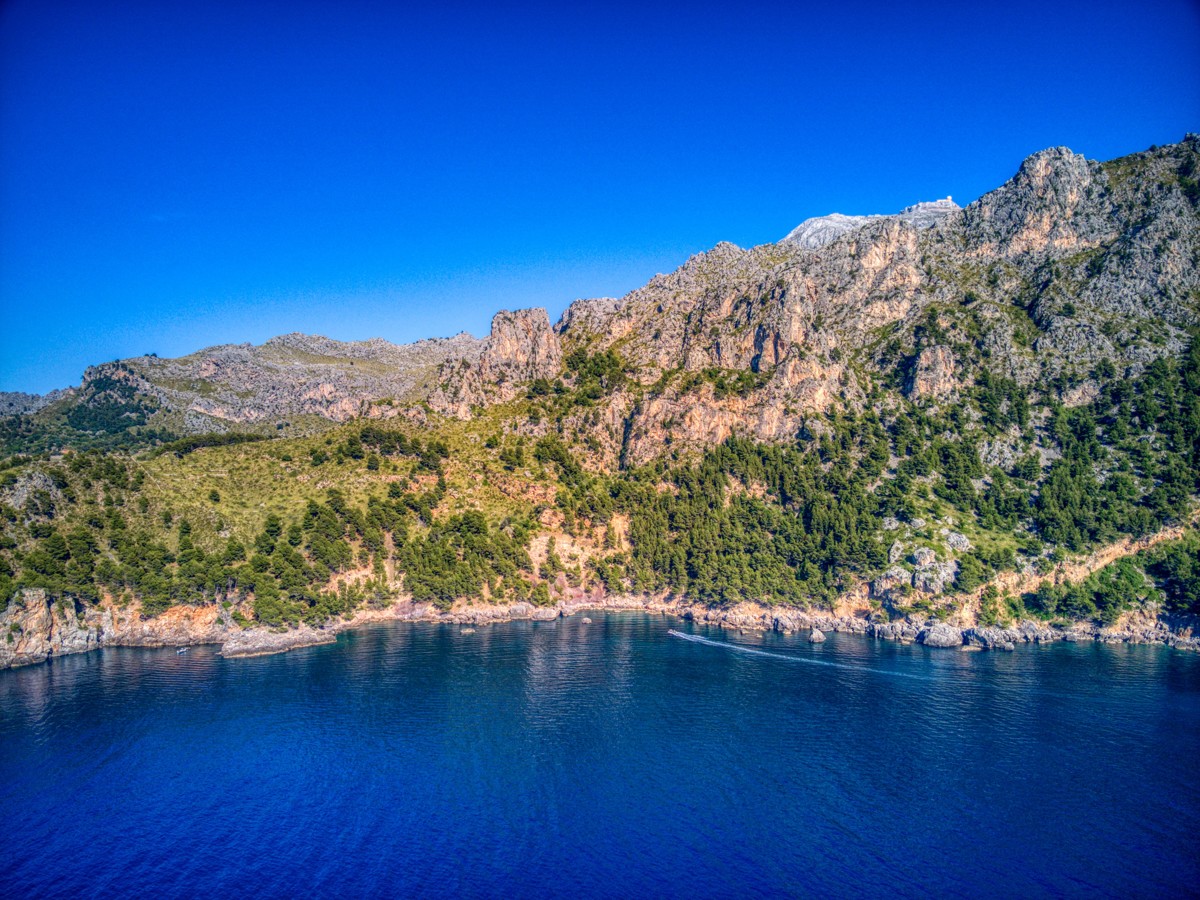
{"x": 794, "y": 524}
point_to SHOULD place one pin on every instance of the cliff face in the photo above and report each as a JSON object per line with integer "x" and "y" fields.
{"x": 1068, "y": 264}
{"x": 521, "y": 347}
{"x": 34, "y": 627}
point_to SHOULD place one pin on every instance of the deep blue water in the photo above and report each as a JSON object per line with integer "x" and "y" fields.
{"x": 609, "y": 759}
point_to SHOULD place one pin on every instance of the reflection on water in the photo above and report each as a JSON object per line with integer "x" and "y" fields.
{"x": 609, "y": 759}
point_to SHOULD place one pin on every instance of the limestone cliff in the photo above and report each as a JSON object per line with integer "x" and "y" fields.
{"x": 1068, "y": 264}
{"x": 520, "y": 348}
{"x": 34, "y": 627}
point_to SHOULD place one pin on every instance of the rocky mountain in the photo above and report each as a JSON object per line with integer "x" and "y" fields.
{"x": 1069, "y": 265}
{"x": 909, "y": 425}
{"x": 294, "y": 381}
{"x": 812, "y": 234}
{"x": 520, "y": 348}
{"x": 16, "y": 403}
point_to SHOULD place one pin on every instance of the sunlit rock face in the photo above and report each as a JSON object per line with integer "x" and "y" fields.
{"x": 521, "y": 347}
{"x": 1068, "y": 266}
{"x": 814, "y": 233}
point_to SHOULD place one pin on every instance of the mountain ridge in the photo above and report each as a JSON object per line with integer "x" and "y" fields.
{"x": 877, "y": 271}
{"x": 908, "y": 426}
{"x": 814, "y": 233}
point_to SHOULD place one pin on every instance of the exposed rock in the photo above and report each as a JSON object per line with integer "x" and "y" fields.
{"x": 34, "y": 492}
{"x": 936, "y": 578}
{"x": 923, "y": 556}
{"x": 1001, "y": 451}
{"x": 264, "y": 642}
{"x": 40, "y": 628}
{"x": 292, "y": 375}
{"x": 934, "y": 374}
{"x": 895, "y": 631}
{"x": 520, "y": 348}
{"x": 816, "y": 636}
{"x": 957, "y": 542}
{"x": 941, "y": 635}
{"x": 35, "y": 626}
{"x": 15, "y": 403}
{"x": 882, "y": 588}
{"x": 1056, "y": 201}
{"x": 1081, "y": 394}
{"x": 895, "y": 552}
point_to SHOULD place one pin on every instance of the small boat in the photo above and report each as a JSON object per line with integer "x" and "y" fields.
{"x": 182, "y": 649}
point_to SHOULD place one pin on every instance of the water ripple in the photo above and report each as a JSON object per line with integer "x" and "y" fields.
{"x": 609, "y": 760}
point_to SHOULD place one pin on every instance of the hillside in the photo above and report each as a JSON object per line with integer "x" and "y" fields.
{"x": 292, "y": 383}
{"x": 880, "y": 414}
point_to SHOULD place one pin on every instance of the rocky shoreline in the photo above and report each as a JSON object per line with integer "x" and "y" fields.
{"x": 35, "y": 628}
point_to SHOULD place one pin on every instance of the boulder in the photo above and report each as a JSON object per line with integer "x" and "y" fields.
{"x": 923, "y": 556}
{"x": 941, "y": 635}
{"x": 957, "y": 542}
{"x": 817, "y": 636}
{"x": 895, "y": 631}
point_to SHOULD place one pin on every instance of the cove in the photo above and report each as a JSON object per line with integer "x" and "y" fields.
{"x": 609, "y": 759}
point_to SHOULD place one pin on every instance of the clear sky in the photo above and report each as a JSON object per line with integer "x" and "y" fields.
{"x": 181, "y": 173}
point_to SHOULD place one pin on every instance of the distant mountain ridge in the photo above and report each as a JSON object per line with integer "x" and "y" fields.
{"x": 814, "y": 233}
{"x": 1069, "y": 263}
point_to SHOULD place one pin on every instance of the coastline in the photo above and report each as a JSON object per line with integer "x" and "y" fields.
{"x": 42, "y": 629}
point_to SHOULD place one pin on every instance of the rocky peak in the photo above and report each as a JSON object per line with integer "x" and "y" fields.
{"x": 520, "y": 348}
{"x": 818, "y": 231}
{"x": 591, "y": 315}
{"x": 1057, "y": 201}
{"x": 812, "y": 234}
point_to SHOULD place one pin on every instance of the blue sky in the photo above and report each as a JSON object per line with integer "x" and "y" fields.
{"x": 179, "y": 174}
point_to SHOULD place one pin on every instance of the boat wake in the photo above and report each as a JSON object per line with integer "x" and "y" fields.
{"x": 724, "y": 645}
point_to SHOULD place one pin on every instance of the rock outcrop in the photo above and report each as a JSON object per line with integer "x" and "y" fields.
{"x": 941, "y": 635}
{"x": 933, "y": 375}
{"x": 521, "y": 348}
{"x": 35, "y": 627}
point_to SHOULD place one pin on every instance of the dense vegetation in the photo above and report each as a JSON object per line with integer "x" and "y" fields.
{"x": 796, "y": 523}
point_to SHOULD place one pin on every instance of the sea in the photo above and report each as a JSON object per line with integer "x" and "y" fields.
{"x": 635, "y": 756}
